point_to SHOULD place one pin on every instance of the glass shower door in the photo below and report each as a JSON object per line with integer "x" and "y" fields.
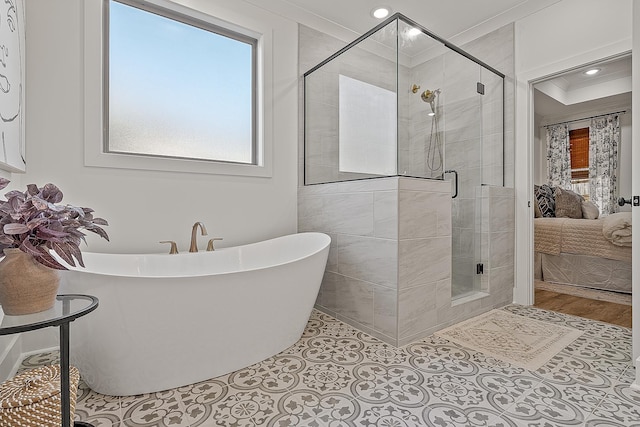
{"x": 463, "y": 165}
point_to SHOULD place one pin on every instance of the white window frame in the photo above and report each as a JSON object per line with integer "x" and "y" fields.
{"x": 94, "y": 146}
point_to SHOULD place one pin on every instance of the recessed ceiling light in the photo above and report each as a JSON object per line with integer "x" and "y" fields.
{"x": 431, "y": 114}
{"x": 592, "y": 71}
{"x": 380, "y": 12}
{"x": 414, "y": 31}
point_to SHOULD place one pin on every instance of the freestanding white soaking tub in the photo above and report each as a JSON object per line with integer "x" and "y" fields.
{"x": 166, "y": 321}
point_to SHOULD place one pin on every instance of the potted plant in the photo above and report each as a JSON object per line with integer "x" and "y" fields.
{"x": 34, "y": 229}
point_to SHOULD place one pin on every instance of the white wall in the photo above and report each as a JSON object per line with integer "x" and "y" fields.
{"x": 549, "y": 42}
{"x": 564, "y": 32}
{"x": 143, "y": 207}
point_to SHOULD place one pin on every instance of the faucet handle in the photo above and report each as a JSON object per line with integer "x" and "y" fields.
{"x": 174, "y": 246}
{"x": 210, "y": 244}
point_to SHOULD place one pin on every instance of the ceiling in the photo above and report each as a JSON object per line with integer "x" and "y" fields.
{"x": 575, "y": 93}
{"x": 448, "y": 19}
{"x": 460, "y": 21}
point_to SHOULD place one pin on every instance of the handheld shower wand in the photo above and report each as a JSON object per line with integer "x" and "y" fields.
{"x": 433, "y": 150}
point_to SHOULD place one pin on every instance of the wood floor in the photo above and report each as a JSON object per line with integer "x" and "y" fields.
{"x": 604, "y": 311}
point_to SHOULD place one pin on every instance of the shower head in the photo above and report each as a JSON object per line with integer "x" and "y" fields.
{"x": 430, "y": 97}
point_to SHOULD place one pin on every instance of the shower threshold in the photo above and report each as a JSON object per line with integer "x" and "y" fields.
{"x": 468, "y": 297}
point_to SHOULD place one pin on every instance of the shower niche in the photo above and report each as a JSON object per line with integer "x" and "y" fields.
{"x": 403, "y": 161}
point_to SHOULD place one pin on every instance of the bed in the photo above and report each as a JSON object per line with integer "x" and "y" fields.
{"x": 577, "y": 252}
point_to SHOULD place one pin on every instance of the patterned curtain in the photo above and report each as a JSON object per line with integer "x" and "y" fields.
{"x": 604, "y": 137}
{"x": 558, "y": 156}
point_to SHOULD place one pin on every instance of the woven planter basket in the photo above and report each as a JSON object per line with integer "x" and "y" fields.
{"x": 32, "y": 399}
{"x": 26, "y": 286}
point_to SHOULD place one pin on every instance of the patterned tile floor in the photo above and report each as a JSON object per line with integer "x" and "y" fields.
{"x": 337, "y": 376}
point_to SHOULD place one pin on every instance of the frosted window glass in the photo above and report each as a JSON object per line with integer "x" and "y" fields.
{"x": 176, "y": 90}
{"x": 367, "y": 128}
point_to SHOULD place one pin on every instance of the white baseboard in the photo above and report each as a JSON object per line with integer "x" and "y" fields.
{"x": 17, "y": 347}
{"x": 636, "y": 383}
{"x": 11, "y": 356}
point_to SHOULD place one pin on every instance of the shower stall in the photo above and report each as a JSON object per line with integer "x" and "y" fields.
{"x": 416, "y": 123}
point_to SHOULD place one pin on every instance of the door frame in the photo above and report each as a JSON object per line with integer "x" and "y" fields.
{"x": 523, "y": 292}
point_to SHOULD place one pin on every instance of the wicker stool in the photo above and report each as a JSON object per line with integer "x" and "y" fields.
{"x": 32, "y": 399}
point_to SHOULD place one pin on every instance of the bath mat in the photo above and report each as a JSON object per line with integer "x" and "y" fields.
{"x": 521, "y": 341}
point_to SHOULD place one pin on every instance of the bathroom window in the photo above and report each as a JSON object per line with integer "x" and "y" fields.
{"x": 181, "y": 90}
{"x": 178, "y": 87}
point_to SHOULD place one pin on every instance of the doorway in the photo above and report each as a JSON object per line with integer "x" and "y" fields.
{"x": 578, "y": 282}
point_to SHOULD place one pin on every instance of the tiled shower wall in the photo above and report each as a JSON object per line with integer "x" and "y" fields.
{"x": 361, "y": 63}
{"x": 414, "y": 311}
{"x": 495, "y": 48}
{"x": 390, "y": 256}
{"x": 424, "y": 256}
{"x": 498, "y": 229}
{"x": 361, "y": 279}
{"x": 390, "y": 262}
{"x": 471, "y": 129}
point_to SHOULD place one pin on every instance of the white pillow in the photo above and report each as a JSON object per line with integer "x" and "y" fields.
{"x": 590, "y": 210}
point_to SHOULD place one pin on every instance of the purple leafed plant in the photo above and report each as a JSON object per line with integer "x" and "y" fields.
{"x": 34, "y": 223}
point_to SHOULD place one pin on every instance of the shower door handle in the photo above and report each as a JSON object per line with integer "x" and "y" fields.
{"x": 455, "y": 172}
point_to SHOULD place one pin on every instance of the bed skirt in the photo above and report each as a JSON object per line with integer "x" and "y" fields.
{"x": 583, "y": 270}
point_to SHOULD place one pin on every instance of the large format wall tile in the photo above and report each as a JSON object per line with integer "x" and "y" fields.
{"x": 502, "y": 247}
{"x": 501, "y": 280}
{"x": 463, "y": 122}
{"x": 370, "y": 259}
{"x": 417, "y": 310}
{"x": 349, "y": 213}
{"x": 464, "y": 242}
{"x": 368, "y": 185}
{"x": 385, "y": 214}
{"x": 464, "y": 154}
{"x": 385, "y": 311}
{"x": 332, "y": 259}
{"x": 310, "y": 212}
{"x": 423, "y": 214}
{"x": 354, "y": 299}
{"x": 372, "y": 210}
{"x": 423, "y": 261}
{"x": 329, "y": 291}
{"x": 502, "y": 213}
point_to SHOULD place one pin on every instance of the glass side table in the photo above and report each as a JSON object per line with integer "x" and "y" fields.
{"x": 67, "y": 308}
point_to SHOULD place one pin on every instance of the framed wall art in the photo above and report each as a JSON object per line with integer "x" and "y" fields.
{"x": 12, "y": 85}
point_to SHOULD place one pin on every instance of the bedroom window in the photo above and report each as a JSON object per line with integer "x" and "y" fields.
{"x": 579, "y": 147}
{"x": 178, "y": 87}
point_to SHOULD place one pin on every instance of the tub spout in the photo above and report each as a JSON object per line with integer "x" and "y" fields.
{"x": 194, "y": 230}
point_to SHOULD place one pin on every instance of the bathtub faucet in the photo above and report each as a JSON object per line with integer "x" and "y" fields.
{"x": 210, "y": 244}
{"x": 194, "y": 230}
{"x": 174, "y": 246}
